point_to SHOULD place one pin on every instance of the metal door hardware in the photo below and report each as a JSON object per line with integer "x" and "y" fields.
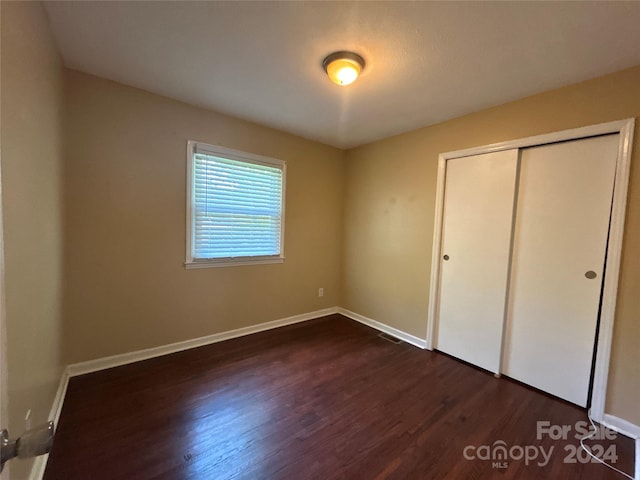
{"x": 591, "y": 274}
{"x": 31, "y": 443}
{"x": 446, "y": 257}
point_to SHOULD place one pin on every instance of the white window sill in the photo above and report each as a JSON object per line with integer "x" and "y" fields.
{"x": 231, "y": 263}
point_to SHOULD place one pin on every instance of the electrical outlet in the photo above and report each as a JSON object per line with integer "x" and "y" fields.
{"x": 321, "y": 292}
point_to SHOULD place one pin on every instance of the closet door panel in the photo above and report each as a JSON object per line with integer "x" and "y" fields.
{"x": 476, "y": 238}
{"x": 562, "y": 222}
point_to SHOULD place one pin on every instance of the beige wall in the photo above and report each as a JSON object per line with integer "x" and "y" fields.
{"x": 389, "y": 210}
{"x": 31, "y": 168}
{"x": 123, "y": 192}
{"x": 126, "y": 286}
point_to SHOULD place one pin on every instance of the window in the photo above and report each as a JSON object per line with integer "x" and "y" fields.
{"x": 235, "y": 207}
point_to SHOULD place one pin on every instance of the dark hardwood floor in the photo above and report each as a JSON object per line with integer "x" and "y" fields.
{"x": 324, "y": 399}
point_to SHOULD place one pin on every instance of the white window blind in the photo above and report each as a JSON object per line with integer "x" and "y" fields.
{"x": 236, "y": 206}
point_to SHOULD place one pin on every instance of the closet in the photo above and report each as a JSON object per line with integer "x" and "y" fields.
{"x": 523, "y": 246}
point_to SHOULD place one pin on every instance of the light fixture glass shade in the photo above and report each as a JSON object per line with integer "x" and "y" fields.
{"x": 343, "y": 68}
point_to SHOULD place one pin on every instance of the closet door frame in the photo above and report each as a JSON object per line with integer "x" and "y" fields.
{"x": 614, "y": 248}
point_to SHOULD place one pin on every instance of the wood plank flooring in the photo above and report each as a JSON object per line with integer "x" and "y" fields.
{"x": 324, "y": 399}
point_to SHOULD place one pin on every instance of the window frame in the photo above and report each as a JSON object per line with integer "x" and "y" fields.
{"x": 192, "y": 148}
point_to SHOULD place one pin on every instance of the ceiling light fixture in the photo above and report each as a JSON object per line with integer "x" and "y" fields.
{"x": 343, "y": 68}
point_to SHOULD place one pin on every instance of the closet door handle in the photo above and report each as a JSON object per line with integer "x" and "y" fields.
{"x": 590, "y": 274}
{"x": 446, "y": 257}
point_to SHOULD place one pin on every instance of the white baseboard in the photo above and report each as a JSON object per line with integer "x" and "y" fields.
{"x": 630, "y": 430}
{"x": 37, "y": 472}
{"x": 621, "y": 426}
{"x": 131, "y": 357}
{"x": 40, "y": 463}
{"x": 394, "y": 332}
{"x": 56, "y": 408}
{"x": 636, "y": 474}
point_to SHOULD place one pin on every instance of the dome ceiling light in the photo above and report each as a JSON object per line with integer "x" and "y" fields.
{"x": 343, "y": 67}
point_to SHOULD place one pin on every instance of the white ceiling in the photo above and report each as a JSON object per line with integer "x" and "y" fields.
{"x": 426, "y": 61}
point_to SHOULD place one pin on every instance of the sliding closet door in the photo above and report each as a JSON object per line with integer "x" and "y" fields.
{"x": 562, "y": 222}
{"x": 476, "y": 237}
